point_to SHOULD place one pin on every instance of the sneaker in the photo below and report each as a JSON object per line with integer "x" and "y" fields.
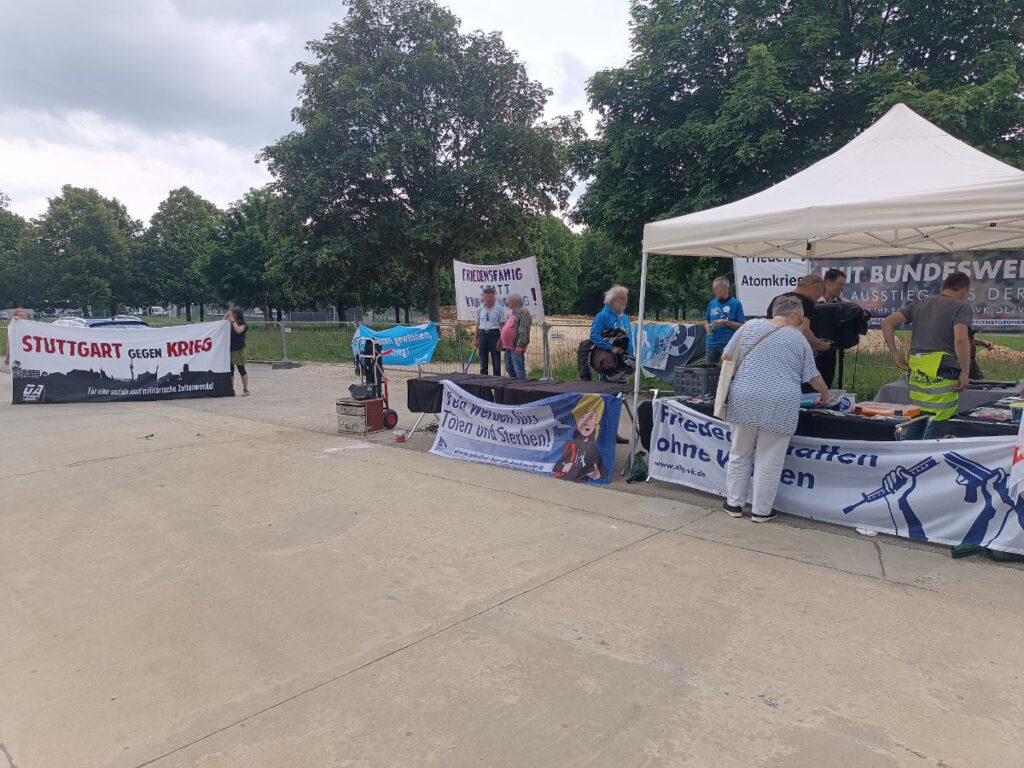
{"x": 867, "y": 532}
{"x": 764, "y": 518}
{"x": 245, "y": 393}
{"x": 621, "y": 440}
{"x": 732, "y": 511}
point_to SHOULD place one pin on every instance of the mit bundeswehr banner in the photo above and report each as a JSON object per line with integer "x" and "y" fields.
{"x": 63, "y": 364}
{"x": 884, "y": 284}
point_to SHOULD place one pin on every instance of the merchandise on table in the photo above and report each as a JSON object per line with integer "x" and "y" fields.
{"x": 886, "y": 410}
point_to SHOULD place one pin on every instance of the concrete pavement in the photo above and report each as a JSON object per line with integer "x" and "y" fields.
{"x": 230, "y": 583}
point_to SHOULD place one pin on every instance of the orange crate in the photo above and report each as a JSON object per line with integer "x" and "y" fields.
{"x": 888, "y": 410}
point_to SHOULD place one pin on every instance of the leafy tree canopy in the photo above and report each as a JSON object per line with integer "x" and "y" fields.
{"x": 722, "y": 99}
{"x": 417, "y": 143}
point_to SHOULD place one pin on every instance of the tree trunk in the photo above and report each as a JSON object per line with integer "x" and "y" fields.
{"x": 268, "y": 318}
{"x": 434, "y": 290}
{"x": 340, "y": 307}
{"x": 202, "y": 312}
{"x": 398, "y": 314}
{"x": 188, "y": 312}
{"x": 279, "y": 314}
{"x": 406, "y": 315}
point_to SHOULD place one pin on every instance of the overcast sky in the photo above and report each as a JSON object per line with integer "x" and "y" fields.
{"x": 138, "y": 97}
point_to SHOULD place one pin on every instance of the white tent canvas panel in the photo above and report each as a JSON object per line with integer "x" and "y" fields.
{"x": 902, "y": 186}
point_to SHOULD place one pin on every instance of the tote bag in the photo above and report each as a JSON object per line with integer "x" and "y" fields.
{"x": 729, "y": 368}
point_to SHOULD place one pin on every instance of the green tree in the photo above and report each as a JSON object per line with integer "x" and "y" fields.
{"x": 600, "y": 267}
{"x": 722, "y": 99}
{"x": 243, "y": 269}
{"x": 418, "y": 143}
{"x": 79, "y": 254}
{"x": 557, "y": 249}
{"x": 181, "y": 239}
{"x": 14, "y": 288}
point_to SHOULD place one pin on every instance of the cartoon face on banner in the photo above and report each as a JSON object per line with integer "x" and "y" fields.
{"x": 571, "y": 437}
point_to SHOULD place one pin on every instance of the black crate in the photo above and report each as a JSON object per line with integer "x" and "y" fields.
{"x": 697, "y": 380}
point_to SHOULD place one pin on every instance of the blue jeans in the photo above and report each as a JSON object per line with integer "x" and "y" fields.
{"x": 515, "y": 364}
{"x": 713, "y": 355}
{"x": 925, "y": 429}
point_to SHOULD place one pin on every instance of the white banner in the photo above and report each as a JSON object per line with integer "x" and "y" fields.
{"x": 949, "y": 491}
{"x": 64, "y": 364}
{"x": 514, "y": 277}
{"x": 758, "y": 281}
{"x": 570, "y": 436}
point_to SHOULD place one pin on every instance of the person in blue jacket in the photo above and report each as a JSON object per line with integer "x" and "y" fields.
{"x": 612, "y": 316}
{"x": 723, "y": 317}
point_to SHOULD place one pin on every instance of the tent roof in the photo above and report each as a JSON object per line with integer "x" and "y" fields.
{"x": 902, "y": 186}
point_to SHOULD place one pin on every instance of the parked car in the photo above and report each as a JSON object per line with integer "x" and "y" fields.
{"x": 158, "y": 311}
{"x": 118, "y": 321}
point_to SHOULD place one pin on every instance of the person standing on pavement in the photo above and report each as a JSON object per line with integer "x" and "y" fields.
{"x": 773, "y": 359}
{"x": 835, "y": 283}
{"x": 515, "y": 336}
{"x": 721, "y": 319}
{"x": 17, "y": 314}
{"x": 939, "y": 363}
{"x": 490, "y": 316}
{"x": 238, "y": 359}
{"x": 808, "y": 290}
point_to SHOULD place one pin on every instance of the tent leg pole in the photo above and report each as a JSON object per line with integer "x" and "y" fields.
{"x": 638, "y": 349}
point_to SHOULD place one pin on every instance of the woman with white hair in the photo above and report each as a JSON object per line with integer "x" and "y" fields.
{"x": 612, "y": 316}
{"x": 772, "y": 358}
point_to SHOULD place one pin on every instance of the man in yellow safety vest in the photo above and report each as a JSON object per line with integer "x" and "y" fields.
{"x": 940, "y": 352}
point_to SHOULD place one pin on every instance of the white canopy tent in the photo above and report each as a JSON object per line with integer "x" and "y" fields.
{"x": 902, "y": 186}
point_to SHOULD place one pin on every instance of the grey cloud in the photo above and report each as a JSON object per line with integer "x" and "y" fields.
{"x": 162, "y": 66}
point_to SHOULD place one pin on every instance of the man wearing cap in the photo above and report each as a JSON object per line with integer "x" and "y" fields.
{"x": 490, "y": 316}
{"x": 939, "y": 363}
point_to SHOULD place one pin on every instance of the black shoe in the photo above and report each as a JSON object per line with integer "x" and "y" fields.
{"x": 731, "y": 510}
{"x": 764, "y": 518}
{"x": 621, "y": 440}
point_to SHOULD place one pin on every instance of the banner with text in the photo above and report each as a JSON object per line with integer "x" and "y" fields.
{"x": 948, "y": 491}
{"x": 409, "y": 345}
{"x": 514, "y": 277}
{"x": 758, "y": 281}
{"x": 65, "y": 364}
{"x": 884, "y": 284}
{"x": 571, "y": 437}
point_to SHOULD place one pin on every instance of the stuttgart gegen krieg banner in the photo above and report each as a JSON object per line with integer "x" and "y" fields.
{"x": 65, "y": 364}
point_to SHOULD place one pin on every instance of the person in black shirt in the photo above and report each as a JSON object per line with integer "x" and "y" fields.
{"x": 238, "y": 360}
{"x": 808, "y": 290}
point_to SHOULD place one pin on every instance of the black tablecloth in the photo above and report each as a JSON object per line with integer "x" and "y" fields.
{"x": 424, "y": 394}
{"x": 827, "y": 425}
{"x": 968, "y": 427}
